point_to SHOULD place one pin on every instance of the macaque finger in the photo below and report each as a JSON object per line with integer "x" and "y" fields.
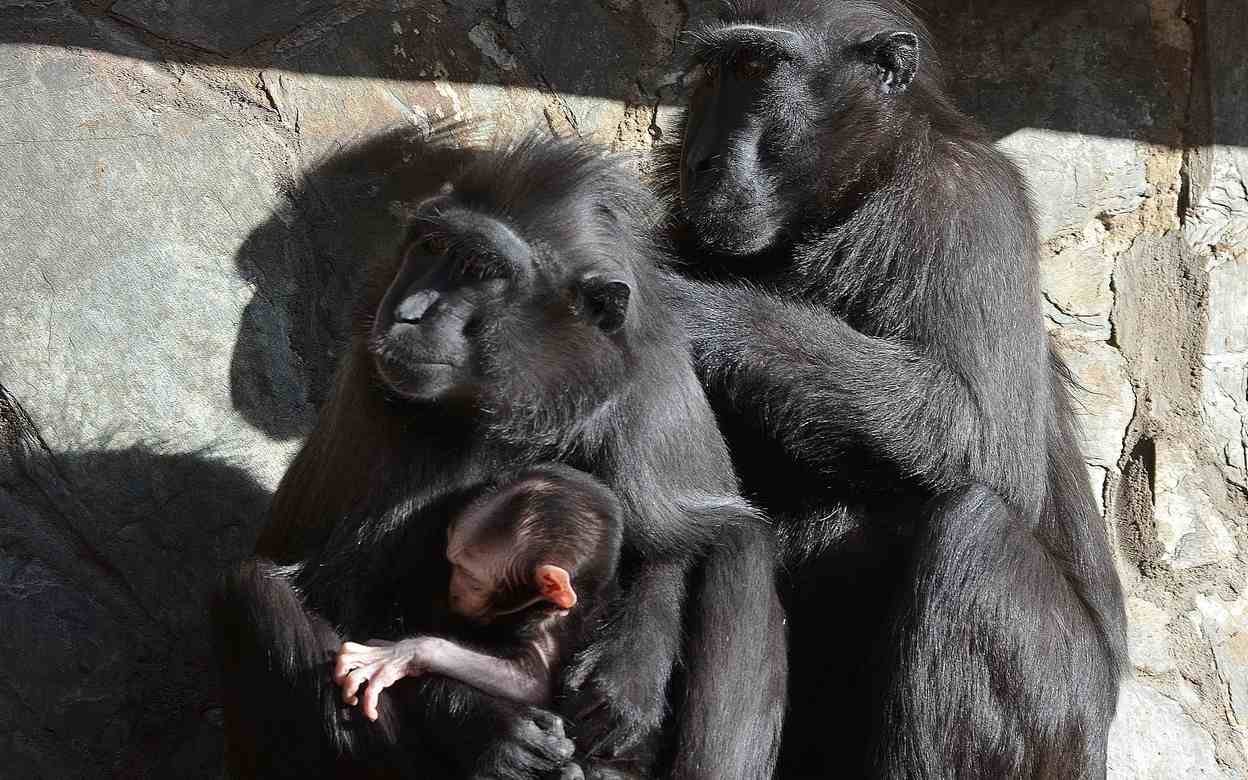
{"x": 342, "y": 666}
{"x": 372, "y": 695}
{"x": 350, "y": 656}
{"x": 355, "y": 679}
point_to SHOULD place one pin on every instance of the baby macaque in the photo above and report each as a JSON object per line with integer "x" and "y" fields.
{"x": 531, "y": 561}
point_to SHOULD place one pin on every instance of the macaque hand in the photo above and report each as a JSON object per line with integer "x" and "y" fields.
{"x": 363, "y": 671}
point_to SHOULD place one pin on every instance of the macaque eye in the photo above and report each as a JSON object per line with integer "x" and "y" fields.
{"x": 467, "y": 579}
{"x": 483, "y": 268}
{"x": 751, "y": 68}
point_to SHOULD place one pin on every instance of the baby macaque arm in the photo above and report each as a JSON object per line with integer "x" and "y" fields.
{"x": 505, "y": 678}
{"x": 376, "y": 666}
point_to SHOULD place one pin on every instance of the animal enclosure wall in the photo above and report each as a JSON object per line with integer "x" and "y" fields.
{"x": 184, "y": 190}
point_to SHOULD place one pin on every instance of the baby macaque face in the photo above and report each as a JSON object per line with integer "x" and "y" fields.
{"x": 475, "y": 575}
{"x": 508, "y": 553}
{"x": 480, "y": 590}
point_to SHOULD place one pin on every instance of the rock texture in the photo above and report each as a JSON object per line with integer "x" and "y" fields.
{"x": 185, "y": 189}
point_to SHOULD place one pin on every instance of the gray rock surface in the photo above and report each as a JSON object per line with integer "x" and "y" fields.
{"x": 1071, "y": 91}
{"x": 1154, "y": 739}
{"x": 1219, "y": 212}
{"x": 1149, "y": 636}
{"x": 186, "y": 188}
{"x": 1226, "y": 625}
{"x": 1224, "y": 365}
{"x": 219, "y": 26}
{"x": 122, "y": 215}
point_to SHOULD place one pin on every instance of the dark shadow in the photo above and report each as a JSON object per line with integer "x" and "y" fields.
{"x": 106, "y": 560}
{"x": 304, "y": 262}
{"x": 1112, "y": 68}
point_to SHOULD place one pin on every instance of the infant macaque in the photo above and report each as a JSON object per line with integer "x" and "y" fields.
{"x": 523, "y": 556}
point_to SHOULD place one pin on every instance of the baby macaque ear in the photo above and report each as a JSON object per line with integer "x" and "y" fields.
{"x": 555, "y": 585}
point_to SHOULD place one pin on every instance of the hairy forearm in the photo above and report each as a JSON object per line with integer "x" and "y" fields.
{"x": 364, "y": 671}
{"x": 618, "y": 683}
{"x": 735, "y": 661}
{"x": 506, "y": 678}
{"x": 652, "y": 614}
{"x": 821, "y": 385}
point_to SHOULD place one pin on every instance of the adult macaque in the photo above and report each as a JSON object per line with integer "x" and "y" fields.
{"x": 867, "y": 324}
{"x": 526, "y": 319}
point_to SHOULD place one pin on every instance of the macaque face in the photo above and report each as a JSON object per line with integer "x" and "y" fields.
{"x": 478, "y": 590}
{"x": 474, "y": 582}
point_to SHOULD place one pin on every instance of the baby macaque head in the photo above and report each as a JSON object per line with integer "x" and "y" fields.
{"x": 541, "y": 537}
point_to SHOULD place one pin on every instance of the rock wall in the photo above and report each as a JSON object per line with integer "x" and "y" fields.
{"x": 186, "y": 186}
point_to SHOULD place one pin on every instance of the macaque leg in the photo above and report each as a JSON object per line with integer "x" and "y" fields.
{"x": 376, "y": 666}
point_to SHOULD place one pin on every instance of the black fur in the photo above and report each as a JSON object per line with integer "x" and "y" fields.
{"x": 865, "y": 313}
{"x": 552, "y": 363}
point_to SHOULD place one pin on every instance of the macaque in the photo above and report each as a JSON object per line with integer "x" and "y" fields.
{"x": 532, "y": 561}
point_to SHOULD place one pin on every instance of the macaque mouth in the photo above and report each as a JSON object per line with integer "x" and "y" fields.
{"x": 412, "y": 377}
{"x": 401, "y": 345}
{"x": 390, "y": 357}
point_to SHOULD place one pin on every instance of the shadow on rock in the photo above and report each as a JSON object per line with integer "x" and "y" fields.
{"x": 107, "y": 559}
{"x": 304, "y": 264}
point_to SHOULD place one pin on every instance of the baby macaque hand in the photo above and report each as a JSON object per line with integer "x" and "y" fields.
{"x": 371, "y": 668}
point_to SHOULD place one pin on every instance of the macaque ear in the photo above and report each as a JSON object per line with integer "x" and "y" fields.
{"x": 606, "y": 301}
{"x": 896, "y": 54}
{"x": 555, "y": 585}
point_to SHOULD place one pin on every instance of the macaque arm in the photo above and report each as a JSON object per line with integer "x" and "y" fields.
{"x": 363, "y": 671}
{"x": 503, "y": 677}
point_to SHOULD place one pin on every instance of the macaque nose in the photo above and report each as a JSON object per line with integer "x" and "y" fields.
{"x": 413, "y": 307}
